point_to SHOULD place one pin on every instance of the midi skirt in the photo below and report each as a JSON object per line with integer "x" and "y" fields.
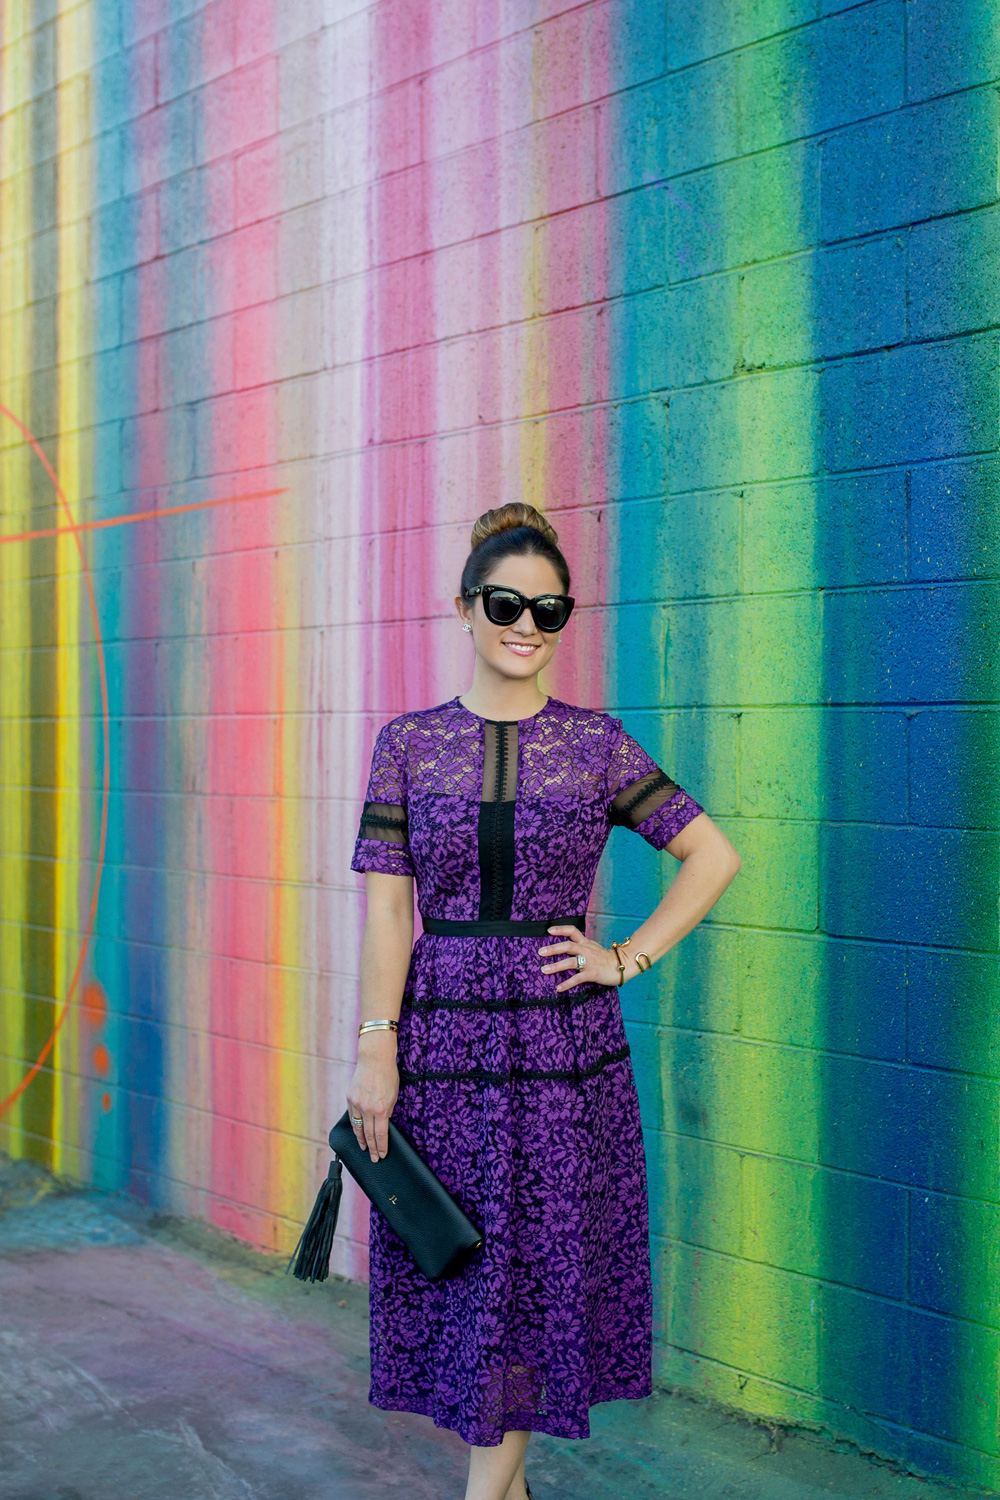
{"x": 525, "y": 1106}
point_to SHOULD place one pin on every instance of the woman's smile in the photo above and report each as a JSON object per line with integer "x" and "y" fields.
{"x": 521, "y": 648}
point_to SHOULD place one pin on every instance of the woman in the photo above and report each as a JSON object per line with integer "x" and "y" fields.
{"x": 510, "y": 1069}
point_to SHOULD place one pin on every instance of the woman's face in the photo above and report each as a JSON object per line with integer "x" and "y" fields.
{"x": 519, "y": 650}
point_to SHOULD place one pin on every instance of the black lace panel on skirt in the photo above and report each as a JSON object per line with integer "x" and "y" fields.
{"x": 635, "y": 802}
{"x": 384, "y": 821}
{"x": 496, "y": 821}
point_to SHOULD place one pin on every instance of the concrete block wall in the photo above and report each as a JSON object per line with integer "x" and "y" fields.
{"x": 715, "y": 284}
{"x": 829, "y": 638}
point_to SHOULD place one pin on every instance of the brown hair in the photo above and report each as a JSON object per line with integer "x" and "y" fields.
{"x": 512, "y": 530}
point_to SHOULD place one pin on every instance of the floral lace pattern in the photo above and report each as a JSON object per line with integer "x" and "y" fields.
{"x": 523, "y": 1101}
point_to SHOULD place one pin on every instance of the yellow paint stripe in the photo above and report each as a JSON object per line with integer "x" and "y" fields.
{"x": 16, "y": 331}
{"x": 73, "y": 335}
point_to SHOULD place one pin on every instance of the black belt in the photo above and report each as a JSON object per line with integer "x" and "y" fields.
{"x": 438, "y": 927}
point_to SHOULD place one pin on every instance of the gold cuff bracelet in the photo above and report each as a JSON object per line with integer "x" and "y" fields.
{"x": 377, "y": 1026}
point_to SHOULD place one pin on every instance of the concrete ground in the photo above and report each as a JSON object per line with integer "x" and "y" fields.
{"x": 144, "y": 1358}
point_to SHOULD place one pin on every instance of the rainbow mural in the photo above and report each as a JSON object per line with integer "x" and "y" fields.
{"x": 289, "y": 294}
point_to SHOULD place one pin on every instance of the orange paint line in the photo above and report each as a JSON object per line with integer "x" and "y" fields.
{"x": 74, "y": 528}
{"x": 140, "y": 515}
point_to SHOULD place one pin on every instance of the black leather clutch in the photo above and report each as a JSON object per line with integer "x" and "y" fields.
{"x": 414, "y": 1202}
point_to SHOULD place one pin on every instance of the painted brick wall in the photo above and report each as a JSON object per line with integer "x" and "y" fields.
{"x": 716, "y": 284}
{"x": 824, "y": 1111}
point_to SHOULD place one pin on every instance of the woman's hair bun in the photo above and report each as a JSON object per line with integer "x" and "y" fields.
{"x": 514, "y": 530}
{"x": 507, "y": 517}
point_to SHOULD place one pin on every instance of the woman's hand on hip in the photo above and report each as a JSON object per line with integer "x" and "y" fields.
{"x": 372, "y": 1095}
{"x": 569, "y": 944}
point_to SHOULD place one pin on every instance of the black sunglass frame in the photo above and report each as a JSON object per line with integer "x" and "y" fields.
{"x": 487, "y": 590}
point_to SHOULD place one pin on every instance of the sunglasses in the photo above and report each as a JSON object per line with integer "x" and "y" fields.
{"x": 503, "y": 606}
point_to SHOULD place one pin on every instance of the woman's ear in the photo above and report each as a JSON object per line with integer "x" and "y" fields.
{"x": 464, "y": 610}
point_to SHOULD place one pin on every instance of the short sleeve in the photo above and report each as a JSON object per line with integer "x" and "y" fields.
{"x": 383, "y": 841}
{"x": 643, "y": 797}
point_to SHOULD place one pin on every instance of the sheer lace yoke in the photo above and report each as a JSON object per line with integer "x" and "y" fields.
{"x": 500, "y": 743}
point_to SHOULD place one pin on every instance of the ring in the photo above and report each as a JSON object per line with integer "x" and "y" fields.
{"x": 359, "y": 1121}
{"x": 580, "y": 960}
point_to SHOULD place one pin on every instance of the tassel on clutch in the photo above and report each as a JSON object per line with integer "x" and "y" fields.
{"x": 415, "y": 1203}
{"x": 312, "y": 1254}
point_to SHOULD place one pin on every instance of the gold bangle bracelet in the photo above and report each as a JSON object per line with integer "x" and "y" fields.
{"x": 377, "y": 1026}
{"x": 619, "y": 960}
{"x": 643, "y": 967}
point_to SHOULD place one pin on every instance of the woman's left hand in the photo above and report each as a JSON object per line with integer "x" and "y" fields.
{"x": 601, "y": 966}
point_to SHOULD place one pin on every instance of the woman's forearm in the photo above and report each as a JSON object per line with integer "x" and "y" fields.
{"x": 385, "y": 958}
{"x": 705, "y": 873}
{"x": 386, "y": 945}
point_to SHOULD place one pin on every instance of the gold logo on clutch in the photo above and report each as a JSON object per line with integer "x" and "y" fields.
{"x": 392, "y": 1197}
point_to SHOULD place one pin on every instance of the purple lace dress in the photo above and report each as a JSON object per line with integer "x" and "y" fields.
{"x": 522, "y": 1100}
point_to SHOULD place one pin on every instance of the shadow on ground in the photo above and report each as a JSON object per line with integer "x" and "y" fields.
{"x": 145, "y": 1358}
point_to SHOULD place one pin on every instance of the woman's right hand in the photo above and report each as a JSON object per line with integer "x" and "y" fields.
{"x": 371, "y": 1097}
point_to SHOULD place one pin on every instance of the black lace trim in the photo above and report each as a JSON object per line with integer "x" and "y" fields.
{"x": 578, "y": 995}
{"x": 657, "y": 789}
{"x": 495, "y": 833}
{"x": 645, "y": 787}
{"x": 385, "y": 822}
{"x": 527, "y": 1075}
{"x": 497, "y": 829}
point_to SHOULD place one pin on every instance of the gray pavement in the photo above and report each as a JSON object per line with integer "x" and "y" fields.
{"x": 144, "y": 1358}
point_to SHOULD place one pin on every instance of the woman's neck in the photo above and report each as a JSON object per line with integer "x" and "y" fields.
{"x": 493, "y": 696}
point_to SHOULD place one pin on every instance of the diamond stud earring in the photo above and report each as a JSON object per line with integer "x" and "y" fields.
{"x": 466, "y": 626}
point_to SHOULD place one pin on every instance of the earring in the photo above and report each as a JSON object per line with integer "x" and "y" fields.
{"x": 466, "y": 626}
